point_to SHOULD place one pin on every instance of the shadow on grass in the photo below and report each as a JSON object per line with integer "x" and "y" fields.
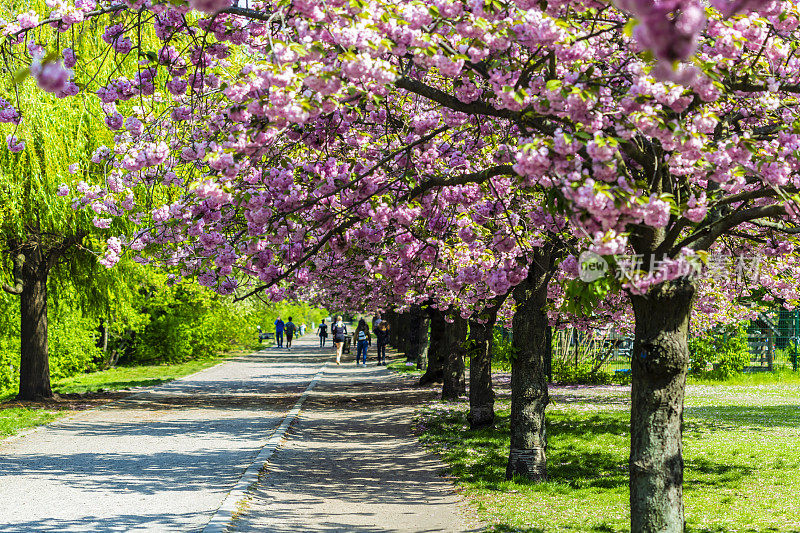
{"x": 113, "y": 385}
{"x": 506, "y": 528}
{"x": 587, "y": 452}
{"x": 729, "y": 416}
{"x": 480, "y": 456}
{"x": 710, "y": 474}
{"x": 722, "y": 529}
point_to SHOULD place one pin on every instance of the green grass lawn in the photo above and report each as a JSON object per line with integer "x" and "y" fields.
{"x": 15, "y": 419}
{"x": 399, "y": 365}
{"x": 741, "y": 449}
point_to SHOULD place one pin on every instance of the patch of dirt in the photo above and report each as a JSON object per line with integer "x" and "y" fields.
{"x": 68, "y": 402}
{"x": 397, "y": 391}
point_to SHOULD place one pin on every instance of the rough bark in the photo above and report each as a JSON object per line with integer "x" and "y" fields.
{"x": 34, "y": 372}
{"x": 454, "y": 381}
{"x": 481, "y": 394}
{"x": 435, "y": 370}
{"x": 391, "y": 317}
{"x": 418, "y": 335}
{"x": 402, "y": 332}
{"x": 659, "y": 364}
{"x": 529, "y": 395}
{"x": 480, "y": 348}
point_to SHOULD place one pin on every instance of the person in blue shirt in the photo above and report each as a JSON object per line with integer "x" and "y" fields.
{"x": 279, "y": 332}
{"x": 363, "y": 340}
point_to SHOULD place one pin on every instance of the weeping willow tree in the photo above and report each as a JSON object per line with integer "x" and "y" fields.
{"x": 42, "y": 237}
{"x": 40, "y": 233}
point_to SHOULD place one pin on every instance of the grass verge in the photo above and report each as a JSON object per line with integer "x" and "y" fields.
{"x": 399, "y": 365}
{"x": 741, "y": 450}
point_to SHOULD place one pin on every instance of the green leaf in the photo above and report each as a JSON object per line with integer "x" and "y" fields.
{"x": 553, "y": 85}
{"x": 21, "y": 75}
{"x": 627, "y": 30}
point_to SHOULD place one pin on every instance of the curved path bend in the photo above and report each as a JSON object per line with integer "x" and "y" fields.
{"x": 165, "y": 459}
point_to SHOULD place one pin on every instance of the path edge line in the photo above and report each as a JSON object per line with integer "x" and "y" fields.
{"x": 223, "y": 516}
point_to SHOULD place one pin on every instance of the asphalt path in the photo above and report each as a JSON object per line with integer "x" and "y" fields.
{"x": 351, "y": 464}
{"x": 165, "y": 459}
{"x": 161, "y": 460}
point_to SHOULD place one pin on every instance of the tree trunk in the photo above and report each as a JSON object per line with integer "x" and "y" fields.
{"x": 102, "y": 342}
{"x": 418, "y": 335}
{"x": 402, "y": 332}
{"x": 659, "y": 364}
{"x": 391, "y": 318}
{"x": 34, "y": 371}
{"x": 481, "y": 395}
{"x": 548, "y": 363}
{"x": 454, "y": 380}
{"x": 529, "y": 395}
{"x": 435, "y": 370}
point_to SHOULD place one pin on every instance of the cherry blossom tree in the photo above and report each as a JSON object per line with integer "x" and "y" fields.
{"x": 252, "y": 139}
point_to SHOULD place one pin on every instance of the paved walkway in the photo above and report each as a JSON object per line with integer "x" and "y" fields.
{"x": 165, "y": 459}
{"x": 352, "y": 465}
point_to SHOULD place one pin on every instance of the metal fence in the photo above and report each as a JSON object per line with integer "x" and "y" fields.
{"x": 599, "y": 350}
{"x": 773, "y": 340}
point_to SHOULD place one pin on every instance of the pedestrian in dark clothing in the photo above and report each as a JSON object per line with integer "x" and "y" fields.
{"x": 322, "y": 331}
{"x": 290, "y": 330}
{"x": 279, "y": 325}
{"x": 363, "y": 340}
{"x": 339, "y": 332}
{"x": 382, "y": 337}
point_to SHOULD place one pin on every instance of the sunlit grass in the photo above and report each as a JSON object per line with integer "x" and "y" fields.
{"x": 741, "y": 450}
{"x": 400, "y": 365}
{"x": 16, "y": 419}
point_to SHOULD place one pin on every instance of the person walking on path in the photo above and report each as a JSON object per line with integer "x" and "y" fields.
{"x": 382, "y": 337}
{"x": 322, "y": 331}
{"x": 363, "y": 340}
{"x": 339, "y": 332}
{"x": 279, "y": 325}
{"x": 290, "y": 330}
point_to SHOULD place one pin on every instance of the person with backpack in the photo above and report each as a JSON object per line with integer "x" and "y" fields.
{"x": 339, "y": 332}
{"x": 290, "y": 329}
{"x": 382, "y": 336}
{"x": 363, "y": 340}
{"x": 322, "y": 331}
{"x": 279, "y": 325}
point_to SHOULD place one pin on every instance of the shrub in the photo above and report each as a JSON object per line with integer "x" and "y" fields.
{"x": 721, "y": 353}
{"x": 503, "y": 351}
{"x": 73, "y": 345}
{"x": 582, "y": 374}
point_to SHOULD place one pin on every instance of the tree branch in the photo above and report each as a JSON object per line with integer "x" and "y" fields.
{"x": 249, "y": 13}
{"x": 704, "y": 238}
{"x": 778, "y": 226}
{"x": 16, "y": 289}
{"x": 451, "y": 102}
{"x": 314, "y": 249}
{"x": 463, "y": 179}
